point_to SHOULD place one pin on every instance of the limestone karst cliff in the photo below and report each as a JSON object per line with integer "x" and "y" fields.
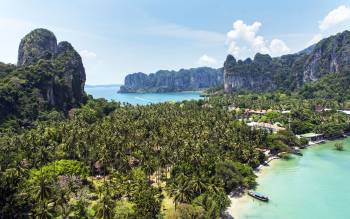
{"x": 171, "y": 81}
{"x": 289, "y": 72}
{"x": 48, "y": 76}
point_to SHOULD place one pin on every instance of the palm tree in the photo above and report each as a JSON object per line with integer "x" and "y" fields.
{"x": 181, "y": 195}
{"x": 43, "y": 191}
{"x": 105, "y": 207}
{"x": 44, "y": 210}
{"x": 149, "y": 169}
{"x": 62, "y": 202}
{"x": 197, "y": 185}
{"x": 80, "y": 209}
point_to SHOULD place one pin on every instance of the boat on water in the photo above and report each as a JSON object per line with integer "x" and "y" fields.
{"x": 258, "y": 196}
{"x": 297, "y": 151}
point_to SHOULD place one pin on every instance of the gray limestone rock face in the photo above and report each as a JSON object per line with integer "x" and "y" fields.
{"x": 65, "y": 89}
{"x": 73, "y": 76}
{"x": 288, "y": 72}
{"x": 38, "y": 44}
{"x": 172, "y": 81}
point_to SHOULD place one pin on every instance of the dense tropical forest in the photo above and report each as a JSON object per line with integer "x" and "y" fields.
{"x": 64, "y": 154}
{"x": 113, "y": 160}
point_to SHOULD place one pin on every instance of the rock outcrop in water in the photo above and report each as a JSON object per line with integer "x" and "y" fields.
{"x": 47, "y": 76}
{"x": 289, "y": 72}
{"x": 171, "y": 81}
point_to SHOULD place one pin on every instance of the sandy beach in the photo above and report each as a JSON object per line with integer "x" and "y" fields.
{"x": 239, "y": 204}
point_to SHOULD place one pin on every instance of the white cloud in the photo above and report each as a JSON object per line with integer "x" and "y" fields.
{"x": 87, "y": 54}
{"x": 335, "y": 21}
{"x": 335, "y": 17}
{"x": 315, "y": 39}
{"x": 244, "y": 42}
{"x": 206, "y": 60}
{"x": 278, "y": 47}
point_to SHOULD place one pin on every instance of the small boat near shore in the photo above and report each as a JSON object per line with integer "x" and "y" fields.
{"x": 258, "y": 196}
{"x": 296, "y": 151}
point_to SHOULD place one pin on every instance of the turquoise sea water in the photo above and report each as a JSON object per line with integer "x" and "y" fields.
{"x": 110, "y": 93}
{"x": 316, "y": 185}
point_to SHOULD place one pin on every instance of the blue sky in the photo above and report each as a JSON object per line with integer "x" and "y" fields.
{"x": 119, "y": 37}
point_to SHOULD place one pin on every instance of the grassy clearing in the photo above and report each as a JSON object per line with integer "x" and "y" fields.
{"x": 168, "y": 207}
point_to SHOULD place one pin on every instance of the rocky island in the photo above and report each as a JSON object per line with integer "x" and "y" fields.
{"x": 263, "y": 73}
{"x": 173, "y": 81}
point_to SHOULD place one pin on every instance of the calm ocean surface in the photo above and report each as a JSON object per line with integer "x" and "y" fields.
{"x": 110, "y": 93}
{"x": 316, "y": 185}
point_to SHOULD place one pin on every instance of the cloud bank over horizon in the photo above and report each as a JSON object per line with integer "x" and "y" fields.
{"x": 164, "y": 35}
{"x": 207, "y": 61}
{"x": 335, "y": 21}
{"x": 243, "y": 41}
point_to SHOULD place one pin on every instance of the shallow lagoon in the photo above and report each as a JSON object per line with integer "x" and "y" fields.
{"x": 111, "y": 93}
{"x": 316, "y": 185}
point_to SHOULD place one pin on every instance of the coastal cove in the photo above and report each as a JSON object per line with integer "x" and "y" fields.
{"x": 311, "y": 186}
{"x": 110, "y": 92}
{"x": 153, "y": 110}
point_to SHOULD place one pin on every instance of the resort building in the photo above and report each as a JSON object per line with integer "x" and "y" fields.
{"x": 313, "y": 138}
{"x": 207, "y": 106}
{"x": 321, "y": 109}
{"x": 274, "y": 128}
{"x": 232, "y": 107}
{"x": 347, "y": 112}
{"x": 285, "y": 111}
{"x": 256, "y": 112}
